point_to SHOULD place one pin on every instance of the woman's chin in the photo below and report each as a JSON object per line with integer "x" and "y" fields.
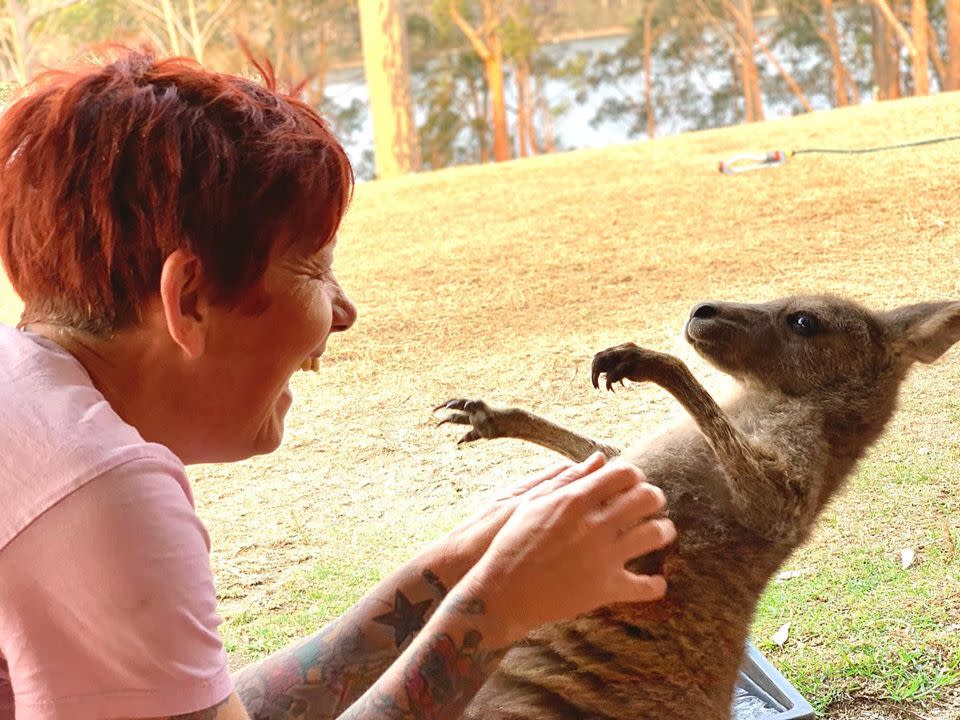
{"x": 271, "y": 431}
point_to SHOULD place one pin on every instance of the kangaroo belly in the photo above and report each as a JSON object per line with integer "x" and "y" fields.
{"x": 677, "y": 658}
{"x": 672, "y": 659}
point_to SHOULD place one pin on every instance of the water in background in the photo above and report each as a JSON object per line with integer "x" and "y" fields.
{"x": 572, "y": 128}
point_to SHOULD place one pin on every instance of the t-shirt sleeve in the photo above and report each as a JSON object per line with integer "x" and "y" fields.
{"x": 107, "y": 605}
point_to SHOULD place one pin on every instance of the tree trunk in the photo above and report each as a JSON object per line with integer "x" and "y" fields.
{"x": 520, "y": 75}
{"x": 952, "y": 8}
{"x": 280, "y": 39}
{"x": 918, "y": 56}
{"x": 532, "y": 102}
{"x": 851, "y": 86}
{"x": 524, "y": 90}
{"x": 833, "y": 46}
{"x": 647, "y": 66}
{"x": 489, "y": 49}
{"x": 886, "y": 64}
{"x": 19, "y": 42}
{"x": 752, "y": 95}
{"x": 549, "y": 144}
{"x": 323, "y": 52}
{"x": 754, "y": 38}
{"x": 480, "y": 126}
{"x": 173, "y": 37}
{"x": 16, "y": 44}
{"x": 921, "y": 48}
{"x": 893, "y": 59}
{"x": 494, "y": 70}
{"x": 197, "y": 45}
{"x": 746, "y": 81}
{"x": 939, "y": 67}
{"x": 386, "y": 66}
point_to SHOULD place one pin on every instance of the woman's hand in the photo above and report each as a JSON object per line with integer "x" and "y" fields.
{"x": 563, "y": 549}
{"x": 451, "y": 557}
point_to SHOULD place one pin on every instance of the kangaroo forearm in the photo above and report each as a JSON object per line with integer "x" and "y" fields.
{"x": 756, "y": 483}
{"x": 525, "y": 425}
{"x": 726, "y": 441}
{"x": 753, "y": 480}
{"x": 322, "y": 675}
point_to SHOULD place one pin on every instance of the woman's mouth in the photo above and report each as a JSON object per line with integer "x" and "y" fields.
{"x": 310, "y": 364}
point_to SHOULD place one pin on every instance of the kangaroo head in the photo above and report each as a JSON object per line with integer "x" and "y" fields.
{"x": 802, "y": 345}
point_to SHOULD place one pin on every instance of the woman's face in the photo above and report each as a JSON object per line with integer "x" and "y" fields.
{"x": 253, "y": 352}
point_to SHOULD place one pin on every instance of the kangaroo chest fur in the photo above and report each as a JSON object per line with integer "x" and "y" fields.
{"x": 680, "y": 657}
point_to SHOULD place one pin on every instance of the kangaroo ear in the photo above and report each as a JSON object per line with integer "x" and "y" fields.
{"x": 924, "y": 332}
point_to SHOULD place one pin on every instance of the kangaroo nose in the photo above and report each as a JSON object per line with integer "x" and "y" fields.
{"x": 704, "y": 311}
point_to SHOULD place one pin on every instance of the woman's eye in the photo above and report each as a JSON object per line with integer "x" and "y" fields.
{"x": 804, "y": 324}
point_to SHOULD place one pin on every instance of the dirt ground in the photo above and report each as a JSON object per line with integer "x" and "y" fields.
{"x": 501, "y": 282}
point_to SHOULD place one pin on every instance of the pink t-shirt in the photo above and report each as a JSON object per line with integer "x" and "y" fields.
{"x": 107, "y": 603}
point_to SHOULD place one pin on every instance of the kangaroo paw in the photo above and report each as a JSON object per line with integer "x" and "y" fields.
{"x": 476, "y": 413}
{"x": 629, "y": 362}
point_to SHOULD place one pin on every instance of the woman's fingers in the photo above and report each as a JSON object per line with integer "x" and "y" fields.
{"x": 642, "y": 588}
{"x": 604, "y": 487}
{"x": 527, "y": 483}
{"x": 580, "y": 470}
{"x": 564, "y": 548}
{"x": 565, "y": 476}
{"x": 644, "y": 537}
{"x": 629, "y": 507}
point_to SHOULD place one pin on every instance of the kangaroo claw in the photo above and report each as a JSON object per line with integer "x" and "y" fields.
{"x": 469, "y": 437}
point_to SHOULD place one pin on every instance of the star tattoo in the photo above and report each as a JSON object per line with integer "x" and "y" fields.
{"x": 406, "y": 617}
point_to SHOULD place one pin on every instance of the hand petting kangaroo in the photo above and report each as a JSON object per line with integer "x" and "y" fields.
{"x": 819, "y": 379}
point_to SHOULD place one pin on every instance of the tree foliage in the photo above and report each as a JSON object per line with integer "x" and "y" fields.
{"x": 678, "y": 65}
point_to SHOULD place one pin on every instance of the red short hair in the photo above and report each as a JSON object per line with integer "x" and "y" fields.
{"x": 109, "y": 169}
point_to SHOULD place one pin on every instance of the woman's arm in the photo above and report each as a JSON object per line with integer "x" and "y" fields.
{"x": 341, "y": 661}
{"x": 435, "y": 677}
{"x": 326, "y": 672}
{"x": 561, "y": 552}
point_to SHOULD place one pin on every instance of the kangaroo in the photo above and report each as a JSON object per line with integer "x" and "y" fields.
{"x": 818, "y": 380}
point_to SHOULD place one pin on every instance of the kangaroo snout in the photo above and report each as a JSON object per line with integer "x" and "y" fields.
{"x": 702, "y": 325}
{"x": 704, "y": 311}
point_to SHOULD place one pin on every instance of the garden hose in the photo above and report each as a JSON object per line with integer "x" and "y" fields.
{"x": 753, "y": 161}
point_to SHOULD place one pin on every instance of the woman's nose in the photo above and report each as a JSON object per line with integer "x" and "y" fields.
{"x": 344, "y": 313}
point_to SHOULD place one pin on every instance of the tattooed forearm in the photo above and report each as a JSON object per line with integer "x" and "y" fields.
{"x": 316, "y": 678}
{"x": 322, "y": 675}
{"x": 438, "y": 680}
{"x": 406, "y": 618}
{"x": 468, "y": 605}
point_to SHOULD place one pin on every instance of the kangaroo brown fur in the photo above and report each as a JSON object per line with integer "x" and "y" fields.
{"x": 819, "y": 378}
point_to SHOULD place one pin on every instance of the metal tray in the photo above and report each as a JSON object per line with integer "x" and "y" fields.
{"x": 763, "y": 683}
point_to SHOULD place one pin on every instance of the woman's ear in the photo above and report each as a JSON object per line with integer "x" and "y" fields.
{"x": 185, "y": 306}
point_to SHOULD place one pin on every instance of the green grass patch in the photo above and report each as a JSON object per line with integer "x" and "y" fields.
{"x": 355, "y": 559}
{"x": 306, "y": 603}
{"x": 861, "y": 624}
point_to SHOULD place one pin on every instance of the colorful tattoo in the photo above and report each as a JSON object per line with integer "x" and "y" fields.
{"x": 406, "y": 618}
{"x": 438, "y": 682}
{"x": 324, "y": 675}
{"x": 469, "y": 606}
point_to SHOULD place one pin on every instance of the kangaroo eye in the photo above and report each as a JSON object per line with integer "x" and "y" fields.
{"x": 804, "y": 324}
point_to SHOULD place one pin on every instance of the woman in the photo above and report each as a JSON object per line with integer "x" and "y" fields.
{"x": 171, "y": 232}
